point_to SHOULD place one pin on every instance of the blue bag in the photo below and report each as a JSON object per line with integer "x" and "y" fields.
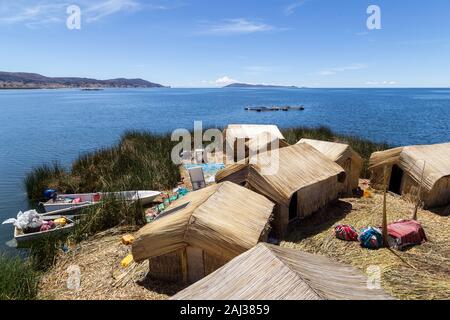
{"x": 371, "y": 238}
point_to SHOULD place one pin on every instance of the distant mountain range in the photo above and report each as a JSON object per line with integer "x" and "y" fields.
{"x": 247, "y": 85}
{"x": 22, "y": 80}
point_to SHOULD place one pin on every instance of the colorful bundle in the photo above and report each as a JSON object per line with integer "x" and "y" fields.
{"x": 371, "y": 238}
{"x": 346, "y": 232}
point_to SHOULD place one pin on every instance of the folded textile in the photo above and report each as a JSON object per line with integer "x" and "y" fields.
{"x": 406, "y": 233}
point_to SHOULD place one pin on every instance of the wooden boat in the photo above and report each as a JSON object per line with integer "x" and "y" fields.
{"x": 23, "y": 239}
{"x": 67, "y": 201}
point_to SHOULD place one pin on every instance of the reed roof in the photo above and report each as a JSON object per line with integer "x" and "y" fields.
{"x": 333, "y": 150}
{"x": 223, "y": 219}
{"x": 242, "y": 131}
{"x": 298, "y": 166}
{"x": 268, "y": 272}
{"x": 411, "y": 159}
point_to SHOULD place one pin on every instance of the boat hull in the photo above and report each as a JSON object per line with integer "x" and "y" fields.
{"x": 145, "y": 197}
{"x": 26, "y": 239}
{"x": 52, "y": 207}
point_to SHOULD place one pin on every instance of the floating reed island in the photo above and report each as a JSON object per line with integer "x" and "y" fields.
{"x": 215, "y": 234}
{"x": 275, "y": 108}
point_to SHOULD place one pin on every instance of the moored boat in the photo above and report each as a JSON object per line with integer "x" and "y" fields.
{"x": 24, "y": 239}
{"x": 67, "y": 201}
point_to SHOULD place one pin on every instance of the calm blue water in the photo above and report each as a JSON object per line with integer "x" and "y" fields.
{"x": 39, "y": 126}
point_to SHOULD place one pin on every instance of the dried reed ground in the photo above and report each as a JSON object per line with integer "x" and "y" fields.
{"x": 102, "y": 277}
{"x": 421, "y": 272}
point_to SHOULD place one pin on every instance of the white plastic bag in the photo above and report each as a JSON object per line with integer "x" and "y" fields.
{"x": 25, "y": 219}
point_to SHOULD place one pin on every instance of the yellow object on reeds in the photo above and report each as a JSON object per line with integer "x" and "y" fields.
{"x": 127, "y": 239}
{"x": 127, "y": 261}
{"x": 367, "y": 194}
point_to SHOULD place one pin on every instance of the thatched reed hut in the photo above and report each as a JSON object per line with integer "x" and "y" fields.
{"x": 243, "y": 140}
{"x": 268, "y": 272}
{"x": 304, "y": 181}
{"x": 202, "y": 231}
{"x": 413, "y": 168}
{"x": 344, "y": 156}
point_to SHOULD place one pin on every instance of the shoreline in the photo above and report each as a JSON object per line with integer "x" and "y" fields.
{"x": 93, "y": 88}
{"x": 90, "y": 170}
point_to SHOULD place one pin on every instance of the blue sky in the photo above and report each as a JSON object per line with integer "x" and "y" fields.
{"x": 200, "y": 43}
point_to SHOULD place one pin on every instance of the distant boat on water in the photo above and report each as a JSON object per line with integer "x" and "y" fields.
{"x": 92, "y": 89}
{"x": 282, "y": 108}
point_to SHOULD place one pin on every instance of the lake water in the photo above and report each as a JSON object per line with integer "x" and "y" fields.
{"x": 38, "y": 126}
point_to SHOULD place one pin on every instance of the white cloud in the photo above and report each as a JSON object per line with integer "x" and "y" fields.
{"x": 333, "y": 71}
{"x": 224, "y": 81}
{"x": 48, "y": 12}
{"x": 20, "y": 12}
{"x": 102, "y": 9}
{"x": 290, "y": 9}
{"x": 326, "y": 73}
{"x": 381, "y": 83}
{"x": 236, "y": 26}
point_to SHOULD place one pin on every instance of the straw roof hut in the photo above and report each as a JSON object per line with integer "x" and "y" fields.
{"x": 243, "y": 140}
{"x": 202, "y": 231}
{"x": 410, "y": 167}
{"x": 301, "y": 182}
{"x": 268, "y": 272}
{"x": 344, "y": 156}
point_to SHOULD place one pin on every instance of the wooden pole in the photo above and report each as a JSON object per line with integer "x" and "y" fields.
{"x": 416, "y": 208}
{"x": 384, "y": 226}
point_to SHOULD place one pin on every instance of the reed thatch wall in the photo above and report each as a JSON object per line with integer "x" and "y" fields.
{"x": 427, "y": 166}
{"x": 344, "y": 156}
{"x": 268, "y": 272}
{"x": 309, "y": 200}
{"x": 212, "y": 262}
{"x": 168, "y": 267}
{"x": 187, "y": 265}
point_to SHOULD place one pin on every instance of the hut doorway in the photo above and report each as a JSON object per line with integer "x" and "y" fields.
{"x": 239, "y": 149}
{"x": 395, "y": 182}
{"x": 293, "y": 207}
{"x": 196, "y": 268}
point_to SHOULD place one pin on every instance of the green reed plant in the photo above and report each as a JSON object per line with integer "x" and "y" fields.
{"x": 140, "y": 160}
{"x": 43, "y": 252}
{"x": 18, "y": 280}
{"x": 43, "y": 177}
{"x": 111, "y": 212}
